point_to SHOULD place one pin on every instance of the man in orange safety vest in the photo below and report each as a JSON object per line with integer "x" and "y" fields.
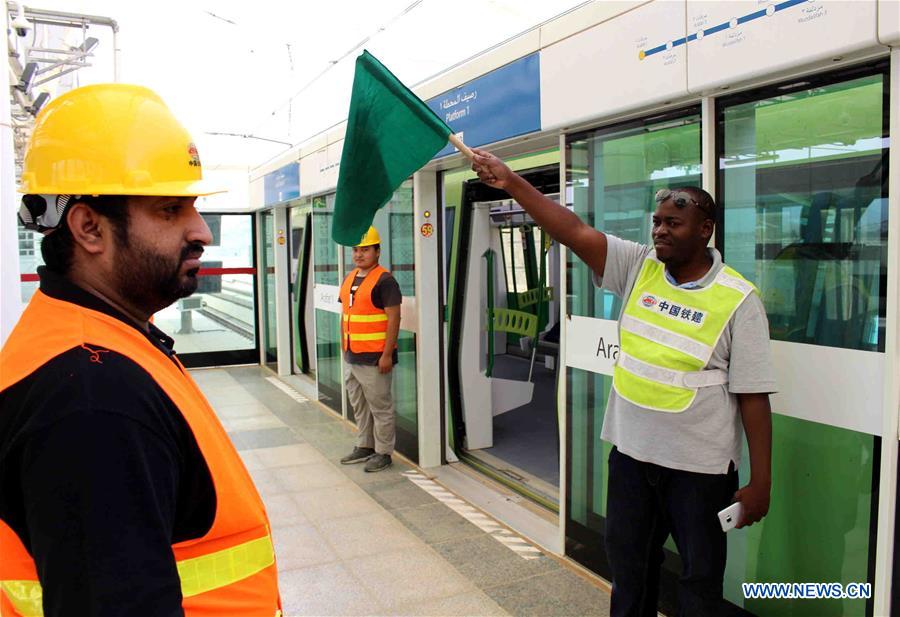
{"x": 370, "y": 300}
{"x": 120, "y": 492}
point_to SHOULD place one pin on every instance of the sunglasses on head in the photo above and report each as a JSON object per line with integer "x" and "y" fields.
{"x": 679, "y": 198}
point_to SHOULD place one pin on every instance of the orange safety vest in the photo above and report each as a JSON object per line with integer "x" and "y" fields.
{"x": 229, "y": 571}
{"x": 364, "y": 325}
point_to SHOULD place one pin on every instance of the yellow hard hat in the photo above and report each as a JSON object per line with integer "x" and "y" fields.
{"x": 111, "y": 139}
{"x": 370, "y": 237}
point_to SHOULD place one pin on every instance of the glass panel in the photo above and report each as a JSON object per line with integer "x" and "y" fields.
{"x": 588, "y": 393}
{"x": 324, "y": 248}
{"x": 804, "y": 183}
{"x": 449, "y": 222}
{"x": 221, "y": 315}
{"x": 819, "y": 523}
{"x": 401, "y": 260}
{"x": 29, "y": 260}
{"x": 805, "y": 197}
{"x": 612, "y": 176}
{"x": 267, "y": 269}
{"x": 328, "y": 358}
{"x": 405, "y": 391}
{"x": 327, "y": 324}
{"x": 402, "y": 253}
{"x": 517, "y": 266}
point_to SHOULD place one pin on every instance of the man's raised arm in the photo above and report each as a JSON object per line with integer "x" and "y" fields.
{"x": 562, "y": 224}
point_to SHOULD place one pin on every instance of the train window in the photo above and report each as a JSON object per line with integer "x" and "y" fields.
{"x": 802, "y": 181}
{"x": 804, "y": 189}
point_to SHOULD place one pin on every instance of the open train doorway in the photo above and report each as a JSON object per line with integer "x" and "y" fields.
{"x": 503, "y": 340}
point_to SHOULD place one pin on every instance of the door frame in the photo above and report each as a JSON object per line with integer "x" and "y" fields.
{"x": 544, "y": 178}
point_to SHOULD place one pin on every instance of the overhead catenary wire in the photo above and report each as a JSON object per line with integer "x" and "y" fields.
{"x": 334, "y": 63}
{"x": 331, "y": 64}
{"x": 414, "y": 84}
{"x": 247, "y": 136}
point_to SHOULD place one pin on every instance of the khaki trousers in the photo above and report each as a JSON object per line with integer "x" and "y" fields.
{"x": 373, "y": 406}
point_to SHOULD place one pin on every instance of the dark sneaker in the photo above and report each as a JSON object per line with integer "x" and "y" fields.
{"x": 378, "y": 462}
{"x": 359, "y": 455}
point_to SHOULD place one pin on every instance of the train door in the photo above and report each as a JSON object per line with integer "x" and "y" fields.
{"x": 268, "y": 327}
{"x": 503, "y": 340}
{"x": 302, "y": 318}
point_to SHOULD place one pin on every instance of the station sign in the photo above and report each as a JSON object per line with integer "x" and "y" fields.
{"x": 282, "y": 184}
{"x": 498, "y": 105}
{"x": 327, "y": 298}
{"x": 729, "y": 42}
{"x": 592, "y": 344}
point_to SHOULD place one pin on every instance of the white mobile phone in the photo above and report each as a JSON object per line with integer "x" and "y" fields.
{"x": 731, "y": 516}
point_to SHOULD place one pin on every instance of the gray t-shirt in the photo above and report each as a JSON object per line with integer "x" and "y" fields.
{"x": 706, "y": 436}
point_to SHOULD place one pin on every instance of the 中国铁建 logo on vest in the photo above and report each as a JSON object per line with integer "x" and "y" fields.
{"x": 672, "y": 309}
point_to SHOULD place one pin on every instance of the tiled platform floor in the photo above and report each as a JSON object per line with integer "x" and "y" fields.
{"x": 352, "y": 543}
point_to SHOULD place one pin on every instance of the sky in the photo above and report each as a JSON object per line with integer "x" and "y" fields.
{"x": 283, "y": 71}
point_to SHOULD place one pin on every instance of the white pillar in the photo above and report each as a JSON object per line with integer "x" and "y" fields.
{"x": 10, "y": 287}
{"x": 708, "y": 155}
{"x": 561, "y": 391}
{"x": 428, "y": 313}
{"x": 260, "y": 284}
{"x": 282, "y": 297}
{"x": 887, "y": 490}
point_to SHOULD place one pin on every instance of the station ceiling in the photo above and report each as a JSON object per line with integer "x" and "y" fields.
{"x": 249, "y": 78}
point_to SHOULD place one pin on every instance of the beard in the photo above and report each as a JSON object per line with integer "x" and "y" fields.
{"x": 152, "y": 280}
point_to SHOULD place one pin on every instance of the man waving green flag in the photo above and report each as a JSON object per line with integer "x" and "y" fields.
{"x": 391, "y": 133}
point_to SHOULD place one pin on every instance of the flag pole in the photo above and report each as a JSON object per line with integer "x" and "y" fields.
{"x": 456, "y": 141}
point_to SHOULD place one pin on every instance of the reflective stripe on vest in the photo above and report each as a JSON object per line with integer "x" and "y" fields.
{"x": 207, "y": 572}
{"x": 228, "y": 571}
{"x": 668, "y": 334}
{"x": 198, "y": 575}
{"x": 363, "y": 325}
{"x": 25, "y": 597}
{"x": 681, "y": 379}
{"x": 371, "y": 336}
{"x": 365, "y": 318}
{"x": 666, "y": 337}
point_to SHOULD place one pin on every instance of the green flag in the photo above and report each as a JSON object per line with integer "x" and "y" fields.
{"x": 391, "y": 133}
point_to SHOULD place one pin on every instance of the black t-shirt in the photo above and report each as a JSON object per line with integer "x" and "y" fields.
{"x": 386, "y": 292}
{"x": 99, "y": 475}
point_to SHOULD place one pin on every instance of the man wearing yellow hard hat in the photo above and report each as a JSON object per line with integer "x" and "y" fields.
{"x": 120, "y": 493}
{"x": 370, "y": 300}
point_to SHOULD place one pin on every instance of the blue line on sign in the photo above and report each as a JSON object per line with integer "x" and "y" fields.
{"x": 715, "y": 29}
{"x": 751, "y": 17}
{"x": 788, "y": 4}
{"x": 724, "y": 26}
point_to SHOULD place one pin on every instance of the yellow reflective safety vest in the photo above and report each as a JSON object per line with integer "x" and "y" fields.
{"x": 668, "y": 334}
{"x": 231, "y": 569}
